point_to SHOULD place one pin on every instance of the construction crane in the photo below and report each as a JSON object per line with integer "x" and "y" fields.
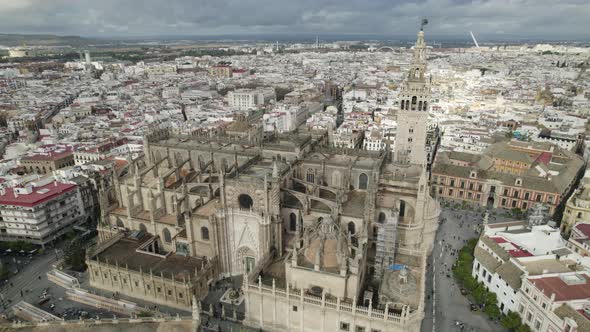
{"x": 474, "y": 40}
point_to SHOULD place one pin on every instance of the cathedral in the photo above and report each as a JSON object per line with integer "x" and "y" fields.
{"x": 324, "y": 239}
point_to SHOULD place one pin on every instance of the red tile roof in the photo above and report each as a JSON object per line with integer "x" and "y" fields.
{"x": 516, "y": 252}
{"x": 35, "y": 198}
{"x": 583, "y": 228}
{"x": 563, "y": 291}
{"x": 50, "y": 155}
{"x": 544, "y": 158}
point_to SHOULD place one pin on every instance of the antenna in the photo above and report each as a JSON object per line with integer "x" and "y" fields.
{"x": 474, "y": 40}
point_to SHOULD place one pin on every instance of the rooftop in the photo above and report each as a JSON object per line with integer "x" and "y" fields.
{"x": 124, "y": 253}
{"x": 37, "y": 196}
{"x": 564, "y": 291}
{"x": 511, "y": 248}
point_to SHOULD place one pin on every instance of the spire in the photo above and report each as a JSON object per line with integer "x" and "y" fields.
{"x": 275, "y": 169}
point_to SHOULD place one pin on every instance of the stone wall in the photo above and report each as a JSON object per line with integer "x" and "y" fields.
{"x": 273, "y": 309}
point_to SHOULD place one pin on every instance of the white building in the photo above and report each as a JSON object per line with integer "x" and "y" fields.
{"x": 508, "y": 252}
{"x": 40, "y": 211}
{"x": 245, "y": 99}
{"x": 556, "y": 302}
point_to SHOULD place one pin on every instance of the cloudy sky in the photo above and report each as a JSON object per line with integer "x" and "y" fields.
{"x": 555, "y": 19}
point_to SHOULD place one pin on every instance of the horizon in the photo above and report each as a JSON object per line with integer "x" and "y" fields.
{"x": 493, "y": 20}
{"x": 303, "y": 37}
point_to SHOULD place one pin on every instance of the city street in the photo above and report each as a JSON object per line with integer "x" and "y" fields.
{"x": 27, "y": 280}
{"x": 446, "y": 301}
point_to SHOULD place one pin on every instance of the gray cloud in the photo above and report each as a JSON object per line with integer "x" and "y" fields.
{"x": 491, "y": 18}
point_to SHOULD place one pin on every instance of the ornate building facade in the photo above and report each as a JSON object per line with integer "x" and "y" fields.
{"x": 309, "y": 227}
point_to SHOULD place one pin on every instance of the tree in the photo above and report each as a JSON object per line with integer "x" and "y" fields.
{"x": 523, "y": 328}
{"x": 470, "y": 283}
{"x": 493, "y": 311}
{"x": 511, "y": 321}
{"x": 479, "y": 294}
{"x": 491, "y": 299}
{"x": 75, "y": 255}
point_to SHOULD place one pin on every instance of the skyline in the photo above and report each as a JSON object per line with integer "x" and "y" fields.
{"x": 492, "y": 20}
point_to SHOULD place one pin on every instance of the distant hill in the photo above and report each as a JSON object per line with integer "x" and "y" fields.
{"x": 12, "y": 40}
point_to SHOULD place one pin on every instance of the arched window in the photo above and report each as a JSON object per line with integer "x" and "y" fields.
{"x": 245, "y": 201}
{"x": 310, "y": 176}
{"x": 351, "y": 228}
{"x": 142, "y": 228}
{"x": 402, "y": 208}
{"x": 167, "y": 236}
{"x": 425, "y": 105}
{"x": 414, "y": 101}
{"x": 420, "y": 105}
{"x": 363, "y": 181}
{"x": 205, "y": 233}
{"x": 403, "y": 104}
{"x": 292, "y": 222}
{"x": 381, "y": 218}
{"x": 120, "y": 223}
{"x": 579, "y": 214}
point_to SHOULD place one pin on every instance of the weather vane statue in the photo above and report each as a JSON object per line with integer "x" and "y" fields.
{"x": 424, "y": 22}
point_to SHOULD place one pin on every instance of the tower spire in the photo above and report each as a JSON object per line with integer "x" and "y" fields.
{"x": 414, "y": 99}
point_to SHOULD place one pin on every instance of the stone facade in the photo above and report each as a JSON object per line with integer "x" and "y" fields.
{"x": 287, "y": 210}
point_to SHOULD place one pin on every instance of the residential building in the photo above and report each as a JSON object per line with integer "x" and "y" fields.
{"x": 220, "y": 71}
{"x": 246, "y": 99}
{"x": 508, "y": 252}
{"x": 577, "y": 208}
{"x": 557, "y": 302}
{"x": 40, "y": 212}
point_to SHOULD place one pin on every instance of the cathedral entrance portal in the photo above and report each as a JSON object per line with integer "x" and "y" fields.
{"x": 250, "y": 263}
{"x": 247, "y": 259}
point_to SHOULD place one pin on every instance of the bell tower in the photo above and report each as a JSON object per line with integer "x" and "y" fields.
{"x": 414, "y": 99}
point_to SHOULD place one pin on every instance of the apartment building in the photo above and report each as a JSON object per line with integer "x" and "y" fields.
{"x": 246, "y": 99}
{"x": 40, "y": 211}
{"x": 558, "y": 302}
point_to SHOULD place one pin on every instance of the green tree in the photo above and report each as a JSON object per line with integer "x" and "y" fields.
{"x": 479, "y": 294}
{"x": 75, "y": 255}
{"x": 493, "y": 311}
{"x": 491, "y": 299}
{"x": 511, "y": 321}
{"x": 517, "y": 213}
{"x": 470, "y": 283}
{"x": 523, "y": 328}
